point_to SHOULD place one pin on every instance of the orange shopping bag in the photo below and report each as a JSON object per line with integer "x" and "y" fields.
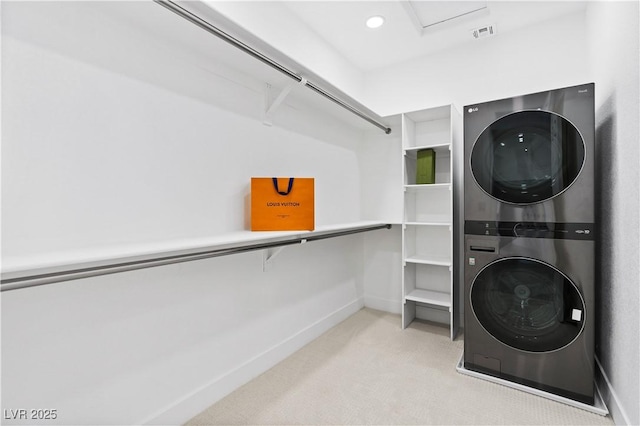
{"x": 282, "y": 204}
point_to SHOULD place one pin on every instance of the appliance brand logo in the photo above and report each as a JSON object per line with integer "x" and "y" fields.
{"x": 472, "y": 110}
{"x": 583, "y": 91}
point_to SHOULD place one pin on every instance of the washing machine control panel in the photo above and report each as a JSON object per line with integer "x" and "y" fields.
{"x": 552, "y": 230}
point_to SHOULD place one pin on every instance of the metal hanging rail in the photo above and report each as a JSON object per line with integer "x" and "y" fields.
{"x": 78, "y": 272}
{"x": 194, "y": 19}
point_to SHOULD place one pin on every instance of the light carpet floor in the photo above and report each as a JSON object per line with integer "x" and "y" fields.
{"x": 367, "y": 370}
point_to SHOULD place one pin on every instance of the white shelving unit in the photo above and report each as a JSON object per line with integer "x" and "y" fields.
{"x": 428, "y": 290}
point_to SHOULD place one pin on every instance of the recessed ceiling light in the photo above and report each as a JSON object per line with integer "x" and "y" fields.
{"x": 375, "y": 21}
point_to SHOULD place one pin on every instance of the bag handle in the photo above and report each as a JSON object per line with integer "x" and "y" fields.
{"x": 275, "y": 185}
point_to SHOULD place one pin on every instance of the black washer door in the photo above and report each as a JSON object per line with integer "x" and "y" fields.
{"x": 527, "y": 157}
{"x": 527, "y": 304}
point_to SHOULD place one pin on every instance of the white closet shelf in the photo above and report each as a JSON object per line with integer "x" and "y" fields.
{"x": 444, "y": 146}
{"x": 428, "y": 186}
{"x": 55, "y": 266}
{"x": 429, "y": 260}
{"x": 430, "y": 297}
{"x": 428, "y": 223}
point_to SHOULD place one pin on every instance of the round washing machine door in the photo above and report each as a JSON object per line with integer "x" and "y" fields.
{"x": 527, "y": 157}
{"x": 527, "y": 304}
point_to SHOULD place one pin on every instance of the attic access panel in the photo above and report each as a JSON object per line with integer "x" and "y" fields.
{"x": 427, "y": 14}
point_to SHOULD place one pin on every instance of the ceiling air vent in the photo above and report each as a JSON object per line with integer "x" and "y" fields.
{"x": 485, "y": 31}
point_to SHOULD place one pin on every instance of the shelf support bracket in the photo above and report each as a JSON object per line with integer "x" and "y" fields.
{"x": 271, "y": 253}
{"x": 272, "y": 106}
{"x": 268, "y": 255}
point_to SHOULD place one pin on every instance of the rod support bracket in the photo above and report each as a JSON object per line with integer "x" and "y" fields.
{"x": 270, "y": 106}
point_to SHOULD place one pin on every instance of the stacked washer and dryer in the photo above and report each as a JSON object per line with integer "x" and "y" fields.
{"x": 529, "y": 241}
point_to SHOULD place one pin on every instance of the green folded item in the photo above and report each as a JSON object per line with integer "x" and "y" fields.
{"x": 426, "y": 167}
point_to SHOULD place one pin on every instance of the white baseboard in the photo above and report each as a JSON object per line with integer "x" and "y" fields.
{"x": 610, "y": 397}
{"x": 195, "y": 402}
{"x": 386, "y": 305}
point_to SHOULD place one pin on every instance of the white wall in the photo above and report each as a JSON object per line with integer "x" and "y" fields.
{"x": 550, "y": 55}
{"x": 614, "y": 43}
{"x": 383, "y": 200}
{"x": 383, "y": 270}
{"x": 113, "y": 136}
{"x": 381, "y": 177}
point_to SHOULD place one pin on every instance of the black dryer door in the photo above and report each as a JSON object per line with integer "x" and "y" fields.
{"x": 527, "y": 157}
{"x": 527, "y": 304}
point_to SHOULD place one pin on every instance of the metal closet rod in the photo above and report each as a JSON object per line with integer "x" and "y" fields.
{"x": 194, "y": 19}
{"x": 94, "y": 271}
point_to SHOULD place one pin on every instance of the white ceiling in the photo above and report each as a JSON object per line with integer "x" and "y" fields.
{"x": 342, "y": 25}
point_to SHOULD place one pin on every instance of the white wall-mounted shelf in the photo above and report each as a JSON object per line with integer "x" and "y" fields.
{"x": 428, "y": 297}
{"x": 428, "y": 289}
{"x": 430, "y": 260}
{"x": 428, "y": 186}
{"x": 442, "y": 148}
{"x": 432, "y": 223}
{"x": 50, "y": 268}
